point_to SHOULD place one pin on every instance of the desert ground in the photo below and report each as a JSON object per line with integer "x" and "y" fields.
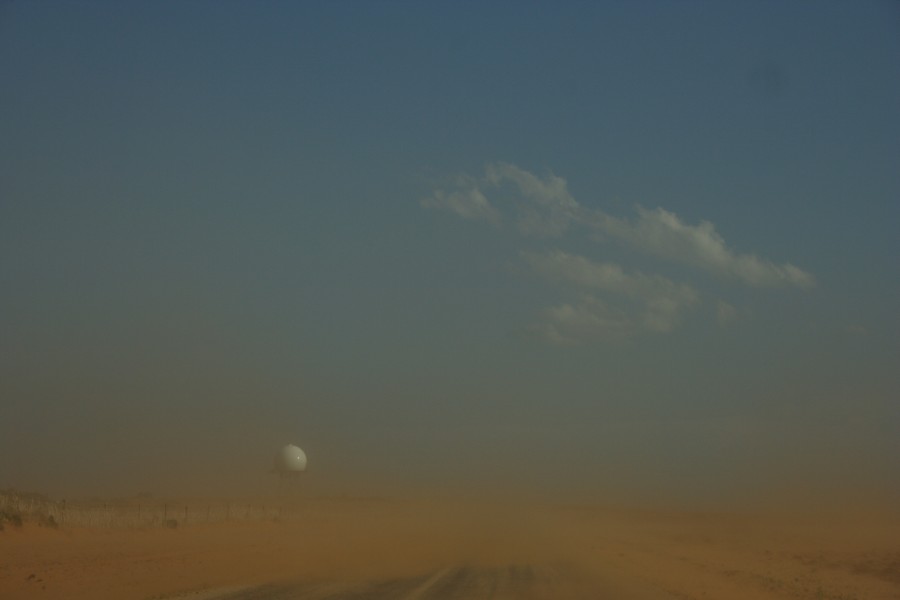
{"x": 444, "y": 549}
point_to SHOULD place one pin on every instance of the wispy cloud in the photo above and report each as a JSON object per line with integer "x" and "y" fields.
{"x": 465, "y": 200}
{"x": 662, "y": 234}
{"x": 586, "y": 320}
{"x": 543, "y": 208}
{"x": 660, "y": 301}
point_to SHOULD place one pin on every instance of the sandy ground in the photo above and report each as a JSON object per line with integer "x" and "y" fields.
{"x": 442, "y": 549}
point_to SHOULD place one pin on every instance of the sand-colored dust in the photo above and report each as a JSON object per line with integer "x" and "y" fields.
{"x": 614, "y": 553}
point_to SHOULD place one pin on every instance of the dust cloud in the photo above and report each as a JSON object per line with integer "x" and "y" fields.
{"x": 300, "y": 542}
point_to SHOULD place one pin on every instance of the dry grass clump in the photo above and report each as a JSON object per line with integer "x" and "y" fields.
{"x": 17, "y": 508}
{"x": 137, "y": 512}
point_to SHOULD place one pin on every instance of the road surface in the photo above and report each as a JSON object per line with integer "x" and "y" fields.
{"x": 513, "y": 582}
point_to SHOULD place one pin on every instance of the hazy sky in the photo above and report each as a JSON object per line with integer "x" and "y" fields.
{"x": 643, "y": 245}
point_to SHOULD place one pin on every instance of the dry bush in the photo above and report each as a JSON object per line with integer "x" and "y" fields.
{"x": 141, "y": 511}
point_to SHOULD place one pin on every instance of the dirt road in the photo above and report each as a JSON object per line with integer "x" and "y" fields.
{"x": 514, "y": 582}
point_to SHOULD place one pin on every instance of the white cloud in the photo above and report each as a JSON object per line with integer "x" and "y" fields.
{"x": 660, "y": 301}
{"x": 467, "y": 202}
{"x": 589, "y": 319}
{"x": 551, "y": 192}
{"x": 543, "y": 207}
{"x": 663, "y": 234}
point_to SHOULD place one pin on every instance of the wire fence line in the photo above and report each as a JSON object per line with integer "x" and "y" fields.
{"x": 133, "y": 513}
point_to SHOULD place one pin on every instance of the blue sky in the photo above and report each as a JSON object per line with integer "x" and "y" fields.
{"x": 644, "y": 246}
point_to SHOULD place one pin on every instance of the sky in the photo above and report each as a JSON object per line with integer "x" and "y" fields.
{"x": 611, "y": 249}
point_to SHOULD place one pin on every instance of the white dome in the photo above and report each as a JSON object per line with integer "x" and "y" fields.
{"x": 291, "y": 459}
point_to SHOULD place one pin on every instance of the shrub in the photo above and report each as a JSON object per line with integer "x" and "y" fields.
{"x": 48, "y": 521}
{"x": 8, "y": 516}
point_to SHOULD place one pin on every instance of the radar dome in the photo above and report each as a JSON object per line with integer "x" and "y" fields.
{"x": 291, "y": 459}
